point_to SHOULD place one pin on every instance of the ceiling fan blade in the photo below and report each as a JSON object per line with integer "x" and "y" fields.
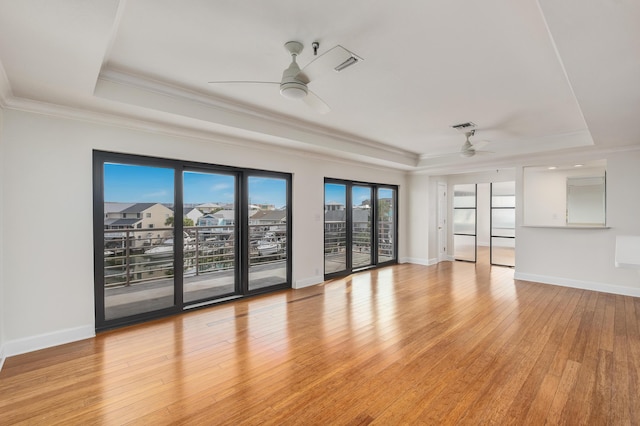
{"x": 480, "y": 144}
{"x": 328, "y": 61}
{"x": 244, "y": 82}
{"x": 314, "y": 101}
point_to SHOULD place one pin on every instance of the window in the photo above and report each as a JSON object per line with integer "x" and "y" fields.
{"x": 360, "y": 226}
{"x": 173, "y": 263}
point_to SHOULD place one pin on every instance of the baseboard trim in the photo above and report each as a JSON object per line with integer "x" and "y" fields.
{"x": 308, "y": 282}
{"x": 428, "y": 262}
{"x": 47, "y": 340}
{"x": 2, "y": 357}
{"x": 583, "y": 285}
{"x": 414, "y": 260}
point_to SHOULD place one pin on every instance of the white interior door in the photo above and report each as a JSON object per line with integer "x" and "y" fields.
{"x": 442, "y": 221}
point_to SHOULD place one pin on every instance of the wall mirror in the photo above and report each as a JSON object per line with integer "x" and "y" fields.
{"x": 571, "y": 195}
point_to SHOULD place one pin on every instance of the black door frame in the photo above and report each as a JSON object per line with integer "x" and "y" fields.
{"x": 242, "y": 233}
{"x": 375, "y": 187}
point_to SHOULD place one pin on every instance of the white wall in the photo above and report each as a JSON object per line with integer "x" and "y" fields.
{"x": 2, "y": 305}
{"x": 420, "y": 214}
{"x": 584, "y": 258}
{"x": 46, "y": 272}
{"x": 48, "y": 264}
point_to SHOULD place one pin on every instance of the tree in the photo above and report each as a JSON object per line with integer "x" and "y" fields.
{"x": 185, "y": 221}
{"x": 384, "y": 208}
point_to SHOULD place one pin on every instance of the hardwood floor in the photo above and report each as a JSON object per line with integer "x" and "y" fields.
{"x": 455, "y": 343}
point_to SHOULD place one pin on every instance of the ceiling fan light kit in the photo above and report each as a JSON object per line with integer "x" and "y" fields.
{"x": 467, "y": 152}
{"x": 293, "y": 84}
{"x": 293, "y": 90}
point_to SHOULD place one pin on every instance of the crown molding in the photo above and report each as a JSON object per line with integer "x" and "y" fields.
{"x": 224, "y": 105}
{"x": 170, "y": 129}
{"x": 576, "y": 154}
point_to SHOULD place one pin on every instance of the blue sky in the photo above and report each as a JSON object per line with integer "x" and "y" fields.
{"x": 142, "y": 184}
{"x": 334, "y": 192}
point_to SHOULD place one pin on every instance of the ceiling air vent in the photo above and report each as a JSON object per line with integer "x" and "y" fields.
{"x": 464, "y": 127}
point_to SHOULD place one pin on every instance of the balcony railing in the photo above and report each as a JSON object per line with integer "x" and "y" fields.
{"x": 134, "y": 256}
{"x": 335, "y": 238}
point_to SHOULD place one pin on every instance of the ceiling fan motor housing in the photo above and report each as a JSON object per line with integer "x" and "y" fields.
{"x": 290, "y": 86}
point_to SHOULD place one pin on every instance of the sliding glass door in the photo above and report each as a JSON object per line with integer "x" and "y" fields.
{"x": 386, "y": 225}
{"x": 171, "y": 235}
{"x": 361, "y": 231}
{"x": 360, "y": 226}
{"x": 268, "y": 232}
{"x": 335, "y": 228}
{"x": 464, "y": 222}
{"x": 137, "y": 249}
{"x": 503, "y": 223}
{"x": 209, "y": 235}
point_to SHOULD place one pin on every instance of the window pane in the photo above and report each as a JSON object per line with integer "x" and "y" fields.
{"x": 386, "y": 224}
{"x": 503, "y": 251}
{"x": 361, "y": 226}
{"x": 464, "y": 247}
{"x": 503, "y": 222}
{"x": 138, "y": 239}
{"x": 209, "y": 217}
{"x": 267, "y": 232}
{"x": 335, "y": 231}
{"x": 503, "y": 194}
{"x": 464, "y": 195}
{"x": 464, "y": 221}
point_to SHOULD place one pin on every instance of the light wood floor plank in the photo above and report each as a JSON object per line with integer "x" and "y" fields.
{"x": 454, "y": 343}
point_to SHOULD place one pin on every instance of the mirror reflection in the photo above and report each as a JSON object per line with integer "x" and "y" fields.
{"x": 565, "y": 195}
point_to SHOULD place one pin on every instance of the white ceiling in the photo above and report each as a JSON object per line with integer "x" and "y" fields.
{"x": 534, "y": 76}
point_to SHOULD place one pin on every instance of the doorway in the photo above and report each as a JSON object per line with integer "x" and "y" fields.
{"x": 172, "y": 235}
{"x": 360, "y": 226}
{"x": 483, "y": 223}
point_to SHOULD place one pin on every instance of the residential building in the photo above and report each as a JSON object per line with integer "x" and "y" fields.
{"x": 137, "y": 216}
{"x": 128, "y": 217}
{"x": 192, "y": 213}
{"x": 268, "y": 217}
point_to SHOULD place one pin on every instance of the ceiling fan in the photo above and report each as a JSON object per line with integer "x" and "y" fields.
{"x": 470, "y": 150}
{"x": 295, "y": 81}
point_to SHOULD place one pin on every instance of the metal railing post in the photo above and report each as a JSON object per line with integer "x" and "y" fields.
{"x": 127, "y": 259}
{"x": 197, "y": 252}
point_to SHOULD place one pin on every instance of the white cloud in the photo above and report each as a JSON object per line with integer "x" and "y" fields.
{"x": 220, "y": 187}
